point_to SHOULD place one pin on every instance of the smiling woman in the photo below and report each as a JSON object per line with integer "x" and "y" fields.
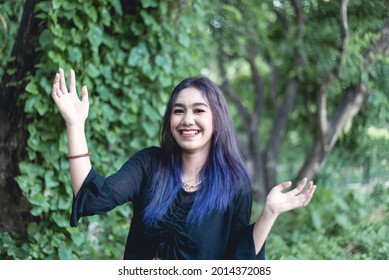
{"x": 191, "y": 122}
{"x": 192, "y": 195}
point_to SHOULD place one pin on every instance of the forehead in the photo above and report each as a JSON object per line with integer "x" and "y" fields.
{"x": 191, "y": 95}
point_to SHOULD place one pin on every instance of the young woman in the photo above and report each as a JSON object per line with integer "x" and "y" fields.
{"x": 192, "y": 196}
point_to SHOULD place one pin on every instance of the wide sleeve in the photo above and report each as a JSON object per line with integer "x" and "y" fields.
{"x": 241, "y": 241}
{"x": 98, "y": 194}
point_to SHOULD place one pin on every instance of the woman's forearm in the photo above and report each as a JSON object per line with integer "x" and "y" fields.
{"x": 262, "y": 227}
{"x": 77, "y": 145}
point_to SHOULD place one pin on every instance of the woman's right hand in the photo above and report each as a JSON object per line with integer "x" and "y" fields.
{"x": 73, "y": 110}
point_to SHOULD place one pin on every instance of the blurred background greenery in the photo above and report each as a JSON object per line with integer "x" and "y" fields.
{"x": 307, "y": 85}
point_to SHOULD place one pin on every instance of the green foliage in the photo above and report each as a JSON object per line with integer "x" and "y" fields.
{"x": 269, "y": 30}
{"x": 338, "y": 224}
{"x": 10, "y": 13}
{"x": 130, "y": 58}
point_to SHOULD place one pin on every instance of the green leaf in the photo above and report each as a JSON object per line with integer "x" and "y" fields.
{"x": 139, "y": 55}
{"x": 151, "y": 113}
{"x": 75, "y": 54}
{"x": 95, "y": 36}
{"x": 316, "y": 219}
{"x": 36, "y": 211}
{"x": 383, "y": 232}
{"x": 45, "y": 38}
{"x": 148, "y": 19}
{"x": 56, "y": 30}
{"x": 165, "y": 62}
{"x": 23, "y": 182}
{"x": 78, "y": 22}
{"x": 342, "y": 220}
{"x": 151, "y": 128}
{"x": 117, "y": 5}
{"x": 183, "y": 38}
{"x": 233, "y": 11}
{"x": 32, "y": 229}
{"x": 60, "y": 219}
{"x": 105, "y": 17}
{"x": 50, "y": 180}
{"x": 56, "y": 4}
{"x": 44, "y": 6}
{"x": 92, "y": 70}
{"x": 38, "y": 199}
{"x": 31, "y": 88}
{"x": 149, "y": 3}
{"x": 41, "y": 107}
{"x": 60, "y": 44}
{"x": 91, "y": 12}
{"x": 63, "y": 204}
{"x": 78, "y": 238}
{"x": 65, "y": 253}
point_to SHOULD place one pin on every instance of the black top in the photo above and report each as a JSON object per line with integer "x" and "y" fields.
{"x": 222, "y": 235}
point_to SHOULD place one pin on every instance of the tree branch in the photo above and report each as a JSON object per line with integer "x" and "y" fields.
{"x": 381, "y": 47}
{"x": 348, "y": 107}
{"x": 281, "y": 119}
{"x": 274, "y": 85}
{"x": 229, "y": 91}
{"x": 331, "y": 76}
{"x": 343, "y": 22}
{"x": 299, "y": 18}
{"x": 14, "y": 208}
{"x": 258, "y": 84}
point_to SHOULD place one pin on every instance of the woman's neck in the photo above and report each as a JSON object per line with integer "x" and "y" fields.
{"x": 192, "y": 163}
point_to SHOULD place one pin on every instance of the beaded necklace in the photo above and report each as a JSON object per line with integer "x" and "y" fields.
{"x": 188, "y": 187}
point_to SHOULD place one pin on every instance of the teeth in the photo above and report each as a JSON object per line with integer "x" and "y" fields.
{"x": 189, "y": 132}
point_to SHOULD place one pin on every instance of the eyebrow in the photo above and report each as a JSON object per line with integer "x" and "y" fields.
{"x": 193, "y": 105}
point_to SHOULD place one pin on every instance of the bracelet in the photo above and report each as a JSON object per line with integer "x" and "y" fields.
{"x": 78, "y": 156}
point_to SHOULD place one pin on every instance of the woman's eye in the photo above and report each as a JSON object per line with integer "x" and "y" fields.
{"x": 198, "y": 111}
{"x": 178, "y": 111}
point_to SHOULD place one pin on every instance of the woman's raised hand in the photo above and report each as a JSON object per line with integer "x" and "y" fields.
{"x": 278, "y": 201}
{"x": 73, "y": 110}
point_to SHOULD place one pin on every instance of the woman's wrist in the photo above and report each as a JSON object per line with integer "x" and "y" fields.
{"x": 78, "y": 126}
{"x": 269, "y": 211}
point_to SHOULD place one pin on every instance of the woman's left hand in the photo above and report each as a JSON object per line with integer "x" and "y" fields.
{"x": 278, "y": 201}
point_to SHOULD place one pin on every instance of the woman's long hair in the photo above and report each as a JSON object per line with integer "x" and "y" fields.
{"x": 224, "y": 173}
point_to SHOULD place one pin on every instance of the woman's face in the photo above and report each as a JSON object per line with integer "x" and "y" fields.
{"x": 191, "y": 121}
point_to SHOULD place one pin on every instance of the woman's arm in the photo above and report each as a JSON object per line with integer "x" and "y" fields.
{"x": 75, "y": 112}
{"x": 278, "y": 202}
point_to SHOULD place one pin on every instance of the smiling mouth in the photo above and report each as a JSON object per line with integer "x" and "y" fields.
{"x": 189, "y": 132}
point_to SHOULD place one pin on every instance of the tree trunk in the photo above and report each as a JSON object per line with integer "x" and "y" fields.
{"x": 278, "y": 132}
{"x": 348, "y": 107}
{"x": 14, "y": 208}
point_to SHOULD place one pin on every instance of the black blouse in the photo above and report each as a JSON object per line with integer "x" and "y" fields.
{"x": 222, "y": 235}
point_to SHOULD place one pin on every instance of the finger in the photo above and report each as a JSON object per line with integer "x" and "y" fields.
{"x": 72, "y": 83}
{"x": 55, "y": 84}
{"x": 62, "y": 81}
{"x": 283, "y": 186}
{"x": 85, "y": 95}
{"x": 309, "y": 195}
{"x": 54, "y": 92}
{"x": 299, "y": 188}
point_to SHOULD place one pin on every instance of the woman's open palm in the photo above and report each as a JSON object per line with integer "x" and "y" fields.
{"x": 73, "y": 110}
{"x": 279, "y": 201}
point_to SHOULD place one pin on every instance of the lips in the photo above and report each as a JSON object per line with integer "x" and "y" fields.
{"x": 189, "y": 132}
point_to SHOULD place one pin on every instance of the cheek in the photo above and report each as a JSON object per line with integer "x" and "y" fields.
{"x": 173, "y": 123}
{"x": 212, "y": 124}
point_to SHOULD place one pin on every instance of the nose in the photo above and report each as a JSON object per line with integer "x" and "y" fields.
{"x": 188, "y": 119}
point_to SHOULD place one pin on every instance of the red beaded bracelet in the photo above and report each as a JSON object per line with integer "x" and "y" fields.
{"x": 79, "y": 156}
